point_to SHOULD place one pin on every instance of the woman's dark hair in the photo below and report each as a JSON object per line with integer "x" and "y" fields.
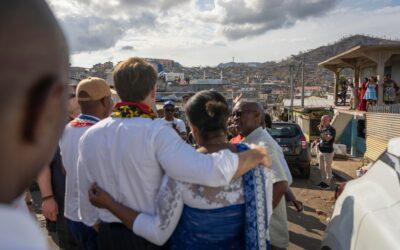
{"x": 208, "y": 111}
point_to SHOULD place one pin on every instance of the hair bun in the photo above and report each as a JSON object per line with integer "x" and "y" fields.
{"x": 215, "y": 108}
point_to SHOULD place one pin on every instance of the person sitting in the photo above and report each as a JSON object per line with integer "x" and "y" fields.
{"x": 232, "y": 216}
{"x": 343, "y": 92}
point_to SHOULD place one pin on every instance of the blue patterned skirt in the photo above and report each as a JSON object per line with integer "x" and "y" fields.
{"x": 209, "y": 229}
{"x": 233, "y": 227}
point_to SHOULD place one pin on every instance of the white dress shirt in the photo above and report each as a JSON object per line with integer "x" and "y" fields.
{"x": 278, "y": 227}
{"x": 128, "y": 158}
{"x": 19, "y": 231}
{"x": 261, "y": 135}
{"x": 69, "y": 154}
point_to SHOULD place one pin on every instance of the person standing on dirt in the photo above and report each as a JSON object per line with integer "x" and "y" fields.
{"x": 325, "y": 151}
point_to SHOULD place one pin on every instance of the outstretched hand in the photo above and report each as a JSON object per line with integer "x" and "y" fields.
{"x": 238, "y": 98}
{"x": 99, "y": 198}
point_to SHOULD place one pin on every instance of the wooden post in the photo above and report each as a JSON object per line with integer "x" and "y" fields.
{"x": 336, "y": 86}
{"x": 380, "y": 58}
{"x": 356, "y": 82}
{"x": 380, "y": 70}
{"x": 353, "y": 150}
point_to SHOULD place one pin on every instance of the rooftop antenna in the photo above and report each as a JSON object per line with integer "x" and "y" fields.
{"x": 233, "y": 59}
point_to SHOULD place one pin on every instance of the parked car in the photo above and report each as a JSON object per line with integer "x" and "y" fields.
{"x": 294, "y": 145}
{"x": 367, "y": 212}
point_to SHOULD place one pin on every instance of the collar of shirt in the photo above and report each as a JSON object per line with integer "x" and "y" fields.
{"x": 255, "y": 135}
{"x": 89, "y": 118}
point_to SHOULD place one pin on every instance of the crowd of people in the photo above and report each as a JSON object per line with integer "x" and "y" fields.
{"x": 367, "y": 93}
{"x": 369, "y": 89}
{"x": 116, "y": 176}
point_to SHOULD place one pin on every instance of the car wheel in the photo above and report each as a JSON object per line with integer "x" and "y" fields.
{"x": 305, "y": 172}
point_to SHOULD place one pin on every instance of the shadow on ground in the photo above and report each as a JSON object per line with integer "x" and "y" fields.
{"x": 309, "y": 224}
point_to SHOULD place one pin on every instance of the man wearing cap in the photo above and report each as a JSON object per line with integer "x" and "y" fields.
{"x": 94, "y": 98}
{"x": 177, "y": 124}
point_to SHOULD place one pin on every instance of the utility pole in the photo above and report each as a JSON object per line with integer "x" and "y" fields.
{"x": 291, "y": 67}
{"x": 302, "y": 84}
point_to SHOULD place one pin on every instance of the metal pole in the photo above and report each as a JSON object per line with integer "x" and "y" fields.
{"x": 291, "y": 92}
{"x": 302, "y": 84}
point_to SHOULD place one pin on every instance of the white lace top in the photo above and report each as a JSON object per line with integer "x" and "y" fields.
{"x": 174, "y": 194}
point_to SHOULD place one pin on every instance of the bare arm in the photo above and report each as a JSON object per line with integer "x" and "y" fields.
{"x": 181, "y": 161}
{"x": 101, "y": 199}
{"x": 44, "y": 182}
{"x": 251, "y": 158}
{"x": 156, "y": 228}
{"x": 49, "y": 205}
{"x": 279, "y": 189}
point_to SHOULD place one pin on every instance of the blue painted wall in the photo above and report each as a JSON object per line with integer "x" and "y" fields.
{"x": 346, "y": 139}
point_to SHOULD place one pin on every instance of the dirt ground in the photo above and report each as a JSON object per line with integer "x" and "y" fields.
{"x": 306, "y": 229}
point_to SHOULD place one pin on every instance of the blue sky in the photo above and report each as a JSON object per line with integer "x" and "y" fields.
{"x": 207, "y": 32}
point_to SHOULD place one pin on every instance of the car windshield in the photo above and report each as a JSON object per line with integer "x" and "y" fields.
{"x": 283, "y": 131}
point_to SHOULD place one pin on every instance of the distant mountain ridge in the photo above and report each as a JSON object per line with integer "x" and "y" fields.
{"x": 237, "y": 72}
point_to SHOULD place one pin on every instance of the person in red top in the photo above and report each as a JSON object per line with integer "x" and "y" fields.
{"x": 363, "y": 103}
{"x": 237, "y": 139}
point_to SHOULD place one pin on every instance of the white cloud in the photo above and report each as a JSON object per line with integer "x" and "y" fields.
{"x": 207, "y": 32}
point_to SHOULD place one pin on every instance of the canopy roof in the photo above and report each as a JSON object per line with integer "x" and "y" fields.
{"x": 359, "y": 56}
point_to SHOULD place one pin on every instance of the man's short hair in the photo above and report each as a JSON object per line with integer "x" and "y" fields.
{"x": 134, "y": 79}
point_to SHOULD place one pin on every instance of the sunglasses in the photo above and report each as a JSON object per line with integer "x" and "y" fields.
{"x": 169, "y": 110}
{"x": 239, "y": 113}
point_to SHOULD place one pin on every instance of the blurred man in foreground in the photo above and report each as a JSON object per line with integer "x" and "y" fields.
{"x": 35, "y": 63}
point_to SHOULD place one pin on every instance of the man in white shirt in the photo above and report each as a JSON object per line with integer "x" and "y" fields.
{"x": 128, "y": 153}
{"x": 248, "y": 118}
{"x": 34, "y": 68}
{"x": 94, "y": 98}
{"x": 177, "y": 124}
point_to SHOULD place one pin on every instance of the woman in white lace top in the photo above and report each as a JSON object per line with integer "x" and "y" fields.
{"x": 200, "y": 217}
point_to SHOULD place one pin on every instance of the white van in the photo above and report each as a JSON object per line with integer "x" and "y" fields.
{"x": 367, "y": 213}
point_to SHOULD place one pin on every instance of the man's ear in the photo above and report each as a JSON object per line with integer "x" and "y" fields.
{"x": 37, "y": 98}
{"x": 103, "y": 101}
{"x": 52, "y": 115}
{"x": 153, "y": 92}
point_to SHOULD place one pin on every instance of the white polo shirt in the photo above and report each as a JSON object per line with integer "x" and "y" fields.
{"x": 69, "y": 153}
